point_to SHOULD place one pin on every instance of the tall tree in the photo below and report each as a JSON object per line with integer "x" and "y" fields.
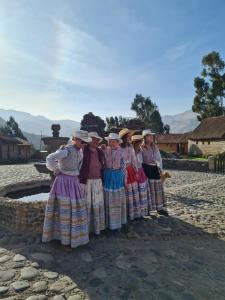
{"x": 147, "y": 111}
{"x": 90, "y": 122}
{"x": 166, "y": 129}
{"x": 210, "y": 87}
{"x": 116, "y": 122}
{"x": 12, "y": 129}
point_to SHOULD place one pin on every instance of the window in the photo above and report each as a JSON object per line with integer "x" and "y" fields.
{"x": 203, "y": 142}
{"x": 196, "y": 142}
{"x": 208, "y": 142}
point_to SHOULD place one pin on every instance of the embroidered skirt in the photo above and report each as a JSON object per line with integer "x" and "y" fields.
{"x": 144, "y": 193}
{"x": 93, "y": 192}
{"x": 132, "y": 194}
{"x": 158, "y": 200}
{"x": 115, "y": 199}
{"x": 66, "y": 213}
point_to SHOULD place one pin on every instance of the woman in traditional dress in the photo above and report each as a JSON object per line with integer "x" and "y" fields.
{"x": 143, "y": 186}
{"x": 91, "y": 180}
{"x": 132, "y": 192}
{"x": 152, "y": 165}
{"x": 114, "y": 183}
{"x": 66, "y": 212}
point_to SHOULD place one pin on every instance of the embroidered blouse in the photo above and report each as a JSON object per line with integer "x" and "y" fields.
{"x": 130, "y": 157}
{"x": 67, "y": 160}
{"x": 139, "y": 157}
{"x": 152, "y": 156}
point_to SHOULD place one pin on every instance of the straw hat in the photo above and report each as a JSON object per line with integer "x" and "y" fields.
{"x": 146, "y": 132}
{"x": 137, "y": 137}
{"x": 123, "y": 132}
{"x": 113, "y": 136}
{"x": 82, "y": 135}
{"x": 95, "y": 135}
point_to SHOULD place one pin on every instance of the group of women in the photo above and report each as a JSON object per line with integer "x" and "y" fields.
{"x": 100, "y": 186}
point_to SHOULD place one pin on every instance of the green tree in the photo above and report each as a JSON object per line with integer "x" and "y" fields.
{"x": 12, "y": 129}
{"x": 90, "y": 122}
{"x": 166, "y": 129}
{"x": 116, "y": 122}
{"x": 210, "y": 87}
{"x": 147, "y": 111}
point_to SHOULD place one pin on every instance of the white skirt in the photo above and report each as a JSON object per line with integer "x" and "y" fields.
{"x": 94, "y": 197}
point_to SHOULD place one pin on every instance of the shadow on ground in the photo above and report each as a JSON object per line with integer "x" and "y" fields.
{"x": 153, "y": 258}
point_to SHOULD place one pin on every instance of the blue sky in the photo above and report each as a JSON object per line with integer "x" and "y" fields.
{"x": 65, "y": 58}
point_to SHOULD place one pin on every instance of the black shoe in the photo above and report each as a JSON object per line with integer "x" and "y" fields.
{"x": 163, "y": 212}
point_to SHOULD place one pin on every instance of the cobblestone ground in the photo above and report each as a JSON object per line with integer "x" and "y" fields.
{"x": 180, "y": 257}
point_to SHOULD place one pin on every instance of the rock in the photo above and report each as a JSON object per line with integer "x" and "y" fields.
{"x": 100, "y": 273}
{"x": 95, "y": 282}
{"x": 60, "y": 297}
{"x": 3, "y": 289}
{"x": 28, "y": 273}
{"x": 18, "y": 265}
{"x": 11, "y": 298}
{"x": 35, "y": 265}
{"x": 62, "y": 285}
{"x": 85, "y": 256}
{"x": 19, "y": 258}
{"x": 37, "y": 297}
{"x": 2, "y": 251}
{"x": 75, "y": 297}
{"x": 4, "y": 258}
{"x": 40, "y": 286}
{"x": 51, "y": 275}
{"x": 7, "y": 275}
{"x": 20, "y": 285}
{"x": 121, "y": 263}
{"x": 188, "y": 296}
{"x": 43, "y": 257}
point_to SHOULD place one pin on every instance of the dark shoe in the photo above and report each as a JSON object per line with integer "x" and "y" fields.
{"x": 163, "y": 212}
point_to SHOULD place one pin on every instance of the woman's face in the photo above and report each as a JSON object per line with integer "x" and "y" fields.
{"x": 113, "y": 144}
{"x": 128, "y": 138}
{"x": 149, "y": 138}
{"x": 78, "y": 143}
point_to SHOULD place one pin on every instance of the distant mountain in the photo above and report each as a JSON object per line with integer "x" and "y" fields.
{"x": 180, "y": 123}
{"x": 39, "y": 124}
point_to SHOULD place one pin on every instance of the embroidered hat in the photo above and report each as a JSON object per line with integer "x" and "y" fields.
{"x": 146, "y": 132}
{"x": 82, "y": 135}
{"x": 123, "y": 132}
{"x": 113, "y": 136}
{"x": 137, "y": 137}
{"x": 95, "y": 135}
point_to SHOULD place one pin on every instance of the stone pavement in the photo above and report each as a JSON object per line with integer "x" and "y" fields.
{"x": 181, "y": 257}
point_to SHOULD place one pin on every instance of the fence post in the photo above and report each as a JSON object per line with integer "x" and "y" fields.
{"x": 212, "y": 163}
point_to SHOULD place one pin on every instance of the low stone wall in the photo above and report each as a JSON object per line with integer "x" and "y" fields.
{"x": 22, "y": 216}
{"x": 185, "y": 165}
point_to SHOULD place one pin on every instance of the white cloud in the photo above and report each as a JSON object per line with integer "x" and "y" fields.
{"x": 177, "y": 52}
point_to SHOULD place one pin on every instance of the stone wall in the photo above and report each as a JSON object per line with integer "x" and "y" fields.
{"x": 22, "y": 216}
{"x": 185, "y": 165}
{"x": 206, "y": 147}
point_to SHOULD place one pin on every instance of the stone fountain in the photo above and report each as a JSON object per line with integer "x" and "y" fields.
{"x": 52, "y": 144}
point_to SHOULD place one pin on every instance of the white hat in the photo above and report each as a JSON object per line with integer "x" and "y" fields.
{"x": 113, "y": 136}
{"x": 95, "y": 135}
{"x": 82, "y": 135}
{"x": 146, "y": 132}
{"x": 136, "y": 137}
